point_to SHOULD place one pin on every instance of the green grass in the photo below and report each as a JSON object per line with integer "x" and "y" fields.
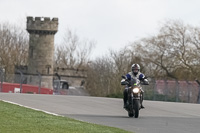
{"x": 17, "y": 119}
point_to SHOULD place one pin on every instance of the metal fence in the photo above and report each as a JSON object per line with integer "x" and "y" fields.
{"x": 12, "y": 79}
{"x": 158, "y": 90}
{"x": 173, "y": 90}
{"x": 1, "y": 78}
{"x": 41, "y": 81}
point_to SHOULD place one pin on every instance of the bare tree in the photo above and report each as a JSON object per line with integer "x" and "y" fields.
{"x": 73, "y": 53}
{"x": 173, "y": 52}
{"x": 100, "y": 75}
{"x": 104, "y": 74}
{"x": 13, "y": 47}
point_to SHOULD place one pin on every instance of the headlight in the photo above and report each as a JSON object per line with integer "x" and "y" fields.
{"x": 136, "y": 90}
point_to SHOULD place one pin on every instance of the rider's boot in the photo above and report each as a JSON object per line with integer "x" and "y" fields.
{"x": 142, "y": 107}
{"x": 125, "y": 105}
{"x": 125, "y": 98}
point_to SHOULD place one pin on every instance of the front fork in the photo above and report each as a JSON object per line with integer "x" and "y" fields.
{"x": 133, "y": 99}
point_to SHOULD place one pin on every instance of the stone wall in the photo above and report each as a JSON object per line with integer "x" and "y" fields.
{"x": 75, "y": 77}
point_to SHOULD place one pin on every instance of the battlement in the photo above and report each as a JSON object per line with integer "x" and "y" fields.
{"x": 42, "y": 25}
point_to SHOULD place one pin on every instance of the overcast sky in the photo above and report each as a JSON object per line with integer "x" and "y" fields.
{"x": 111, "y": 23}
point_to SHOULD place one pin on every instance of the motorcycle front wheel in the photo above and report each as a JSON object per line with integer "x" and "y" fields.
{"x": 130, "y": 114}
{"x": 136, "y": 108}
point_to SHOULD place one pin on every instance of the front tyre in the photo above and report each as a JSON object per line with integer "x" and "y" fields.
{"x": 136, "y": 108}
{"x": 130, "y": 114}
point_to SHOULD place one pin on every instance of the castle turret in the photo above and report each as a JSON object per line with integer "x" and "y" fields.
{"x": 41, "y": 49}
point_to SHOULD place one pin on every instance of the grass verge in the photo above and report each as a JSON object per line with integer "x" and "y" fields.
{"x": 16, "y": 119}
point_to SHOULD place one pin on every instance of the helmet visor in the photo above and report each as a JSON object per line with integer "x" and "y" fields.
{"x": 135, "y": 70}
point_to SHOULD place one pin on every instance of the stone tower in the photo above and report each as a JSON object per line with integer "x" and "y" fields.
{"x": 41, "y": 49}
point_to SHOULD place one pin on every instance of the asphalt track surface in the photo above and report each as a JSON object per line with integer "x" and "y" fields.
{"x": 157, "y": 117}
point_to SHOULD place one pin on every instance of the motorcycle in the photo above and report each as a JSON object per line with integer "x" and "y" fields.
{"x": 135, "y": 97}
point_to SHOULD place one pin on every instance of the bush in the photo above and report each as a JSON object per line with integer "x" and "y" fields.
{"x": 117, "y": 95}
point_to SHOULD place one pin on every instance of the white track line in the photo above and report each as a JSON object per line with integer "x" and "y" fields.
{"x": 33, "y": 108}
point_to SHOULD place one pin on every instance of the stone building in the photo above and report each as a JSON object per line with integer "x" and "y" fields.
{"x": 41, "y": 56}
{"x": 75, "y": 77}
{"x": 41, "y": 49}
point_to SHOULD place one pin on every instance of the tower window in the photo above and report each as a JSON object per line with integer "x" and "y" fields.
{"x": 48, "y": 68}
{"x": 31, "y": 52}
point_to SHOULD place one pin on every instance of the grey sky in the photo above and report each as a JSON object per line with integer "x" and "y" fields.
{"x": 112, "y": 23}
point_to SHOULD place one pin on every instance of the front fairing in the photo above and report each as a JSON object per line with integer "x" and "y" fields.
{"x": 134, "y": 91}
{"x": 134, "y": 88}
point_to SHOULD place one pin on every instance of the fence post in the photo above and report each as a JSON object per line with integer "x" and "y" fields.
{"x": 177, "y": 91}
{"x": 40, "y": 80}
{"x": 154, "y": 91}
{"x": 1, "y": 75}
{"x": 166, "y": 90}
{"x": 198, "y": 100}
{"x": 59, "y": 80}
{"x": 21, "y": 77}
{"x": 188, "y": 88}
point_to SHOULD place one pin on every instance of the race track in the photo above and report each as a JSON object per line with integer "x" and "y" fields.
{"x": 157, "y": 117}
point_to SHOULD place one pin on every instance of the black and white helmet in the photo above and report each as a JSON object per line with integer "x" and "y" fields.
{"x": 135, "y": 68}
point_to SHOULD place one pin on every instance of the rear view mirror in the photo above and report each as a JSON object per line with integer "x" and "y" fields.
{"x": 123, "y": 77}
{"x": 123, "y": 82}
{"x": 145, "y": 82}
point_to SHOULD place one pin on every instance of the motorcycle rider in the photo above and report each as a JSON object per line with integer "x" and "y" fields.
{"x": 135, "y": 73}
